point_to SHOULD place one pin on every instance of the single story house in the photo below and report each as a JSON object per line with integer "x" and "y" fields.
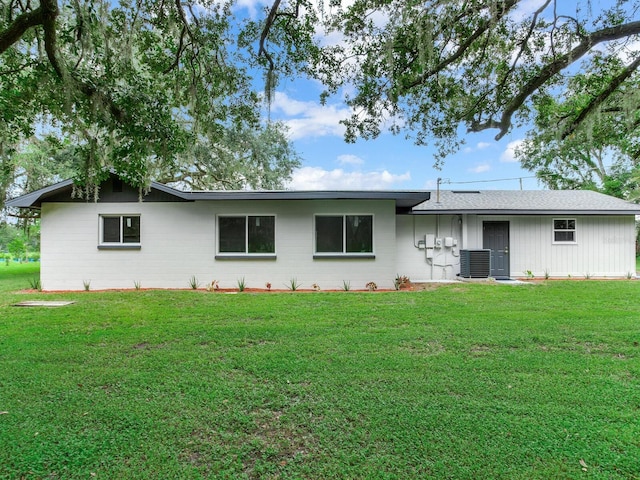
{"x": 328, "y": 238}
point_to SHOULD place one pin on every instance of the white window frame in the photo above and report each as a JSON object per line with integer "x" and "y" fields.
{"x": 120, "y": 244}
{"x": 574, "y": 230}
{"x": 246, "y": 253}
{"x": 343, "y": 253}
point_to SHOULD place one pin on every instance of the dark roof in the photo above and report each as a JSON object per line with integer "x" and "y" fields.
{"x": 62, "y": 190}
{"x": 527, "y": 202}
{"x": 34, "y": 199}
{"x": 489, "y": 202}
{"x": 404, "y": 199}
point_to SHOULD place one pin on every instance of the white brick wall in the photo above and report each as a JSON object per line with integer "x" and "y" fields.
{"x": 179, "y": 241}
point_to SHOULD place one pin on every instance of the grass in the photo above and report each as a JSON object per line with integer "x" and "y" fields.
{"x": 17, "y": 276}
{"x": 462, "y": 381}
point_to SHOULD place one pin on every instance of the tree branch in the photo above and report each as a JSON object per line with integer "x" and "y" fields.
{"x": 551, "y": 69}
{"x": 49, "y": 14}
{"x": 176, "y": 61}
{"x": 45, "y": 15}
{"x": 505, "y": 7}
{"x": 602, "y": 97}
{"x": 524, "y": 42}
{"x": 265, "y": 33}
{"x": 19, "y": 26}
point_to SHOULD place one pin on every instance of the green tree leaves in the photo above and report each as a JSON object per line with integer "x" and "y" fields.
{"x": 588, "y": 137}
{"x": 432, "y": 69}
{"x": 135, "y": 87}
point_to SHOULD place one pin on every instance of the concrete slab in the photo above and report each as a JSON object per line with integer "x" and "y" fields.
{"x": 42, "y": 303}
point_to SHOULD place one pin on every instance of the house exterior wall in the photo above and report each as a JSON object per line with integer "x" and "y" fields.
{"x": 179, "y": 241}
{"x": 412, "y": 261}
{"x": 605, "y": 245}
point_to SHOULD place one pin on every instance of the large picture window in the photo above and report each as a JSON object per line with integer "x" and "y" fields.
{"x": 120, "y": 230}
{"x": 246, "y": 234}
{"x": 564, "y": 230}
{"x": 344, "y": 234}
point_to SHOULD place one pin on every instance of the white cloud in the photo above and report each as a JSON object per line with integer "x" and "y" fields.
{"x": 251, "y": 6}
{"x": 509, "y": 155}
{"x": 630, "y": 51}
{"x": 309, "y": 119}
{"x": 525, "y": 9}
{"x": 350, "y": 160}
{"x": 478, "y": 146}
{"x": 317, "y": 178}
{"x": 484, "y": 167}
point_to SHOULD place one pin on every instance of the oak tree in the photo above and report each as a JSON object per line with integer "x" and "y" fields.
{"x": 135, "y": 86}
{"x": 433, "y": 69}
{"x": 604, "y": 155}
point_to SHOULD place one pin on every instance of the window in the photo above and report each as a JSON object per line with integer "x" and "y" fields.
{"x": 247, "y": 234}
{"x": 120, "y": 230}
{"x": 344, "y": 234}
{"x": 564, "y": 230}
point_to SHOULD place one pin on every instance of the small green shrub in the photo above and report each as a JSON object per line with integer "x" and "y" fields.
{"x": 242, "y": 284}
{"x": 35, "y": 284}
{"x": 346, "y": 285}
{"x": 87, "y": 285}
{"x": 193, "y": 282}
{"x": 293, "y": 284}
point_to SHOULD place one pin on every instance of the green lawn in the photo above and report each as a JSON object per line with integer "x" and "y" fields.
{"x": 462, "y": 381}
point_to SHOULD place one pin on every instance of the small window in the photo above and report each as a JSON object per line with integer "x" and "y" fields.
{"x": 344, "y": 234}
{"x": 120, "y": 230}
{"x": 564, "y": 230}
{"x": 247, "y": 234}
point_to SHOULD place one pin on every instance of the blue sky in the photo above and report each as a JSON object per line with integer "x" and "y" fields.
{"x": 390, "y": 161}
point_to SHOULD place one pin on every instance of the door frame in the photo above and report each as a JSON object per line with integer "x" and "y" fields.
{"x": 506, "y": 225}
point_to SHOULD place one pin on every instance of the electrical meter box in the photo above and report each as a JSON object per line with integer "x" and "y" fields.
{"x": 429, "y": 240}
{"x": 448, "y": 242}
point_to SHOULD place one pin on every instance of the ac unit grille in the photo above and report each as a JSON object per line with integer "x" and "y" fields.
{"x": 475, "y": 263}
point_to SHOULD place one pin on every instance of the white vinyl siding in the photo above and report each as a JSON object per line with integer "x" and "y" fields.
{"x": 606, "y": 246}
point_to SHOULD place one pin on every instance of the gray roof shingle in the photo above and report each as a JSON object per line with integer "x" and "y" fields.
{"x": 526, "y": 202}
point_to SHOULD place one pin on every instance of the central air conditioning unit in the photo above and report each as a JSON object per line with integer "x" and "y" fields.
{"x": 475, "y": 263}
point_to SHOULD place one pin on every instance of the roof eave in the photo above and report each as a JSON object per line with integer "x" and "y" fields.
{"x": 523, "y": 212}
{"x": 33, "y": 199}
{"x": 403, "y": 199}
